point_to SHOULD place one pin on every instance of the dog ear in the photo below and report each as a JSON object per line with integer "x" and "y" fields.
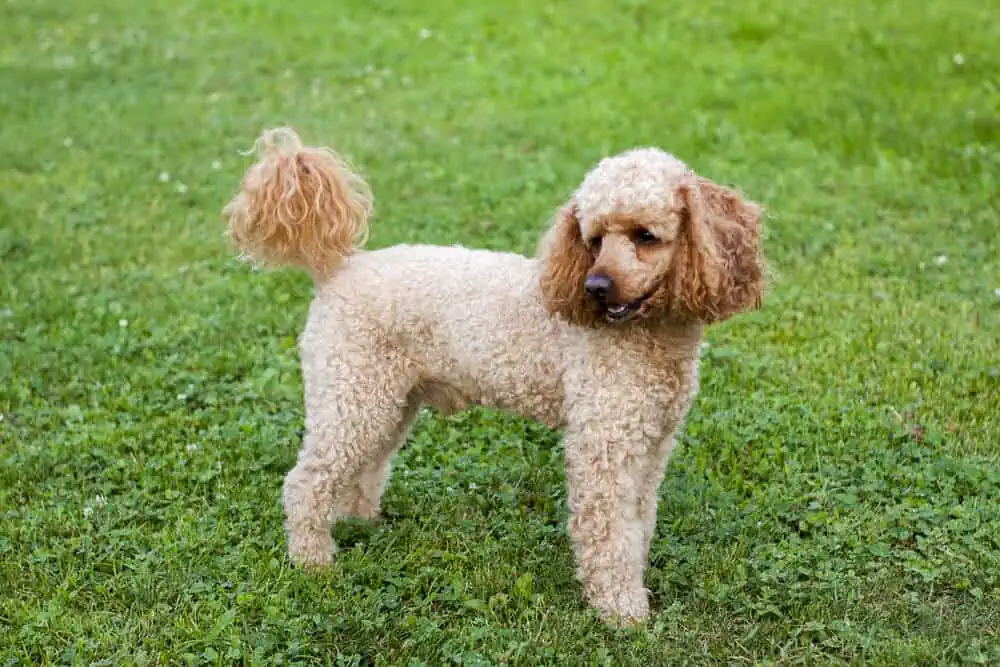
{"x": 719, "y": 269}
{"x": 565, "y": 263}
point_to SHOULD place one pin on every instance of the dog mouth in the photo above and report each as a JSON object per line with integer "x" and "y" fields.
{"x": 623, "y": 311}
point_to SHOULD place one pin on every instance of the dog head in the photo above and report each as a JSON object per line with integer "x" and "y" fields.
{"x": 644, "y": 237}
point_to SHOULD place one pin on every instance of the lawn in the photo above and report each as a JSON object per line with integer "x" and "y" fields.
{"x": 836, "y": 494}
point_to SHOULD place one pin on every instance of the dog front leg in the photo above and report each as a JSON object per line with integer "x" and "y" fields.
{"x": 606, "y": 527}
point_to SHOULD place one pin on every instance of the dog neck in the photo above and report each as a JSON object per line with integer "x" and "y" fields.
{"x": 671, "y": 339}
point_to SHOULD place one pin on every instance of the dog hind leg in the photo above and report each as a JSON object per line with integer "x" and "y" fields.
{"x": 364, "y": 498}
{"x": 357, "y": 409}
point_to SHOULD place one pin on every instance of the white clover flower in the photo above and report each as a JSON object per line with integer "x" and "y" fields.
{"x": 164, "y": 177}
{"x": 123, "y": 323}
{"x": 424, "y": 33}
{"x": 958, "y": 59}
{"x": 941, "y": 260}
{"x": 99, "y": 501}
{"x": 216, "y": 164}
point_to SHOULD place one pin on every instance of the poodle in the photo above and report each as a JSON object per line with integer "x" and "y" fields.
{"x": 598, "y": 336}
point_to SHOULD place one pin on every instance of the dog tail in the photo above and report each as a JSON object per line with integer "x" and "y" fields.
{"x": 299, "y": 205}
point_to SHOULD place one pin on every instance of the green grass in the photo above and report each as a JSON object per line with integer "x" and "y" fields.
{"x": 836, "y": 498}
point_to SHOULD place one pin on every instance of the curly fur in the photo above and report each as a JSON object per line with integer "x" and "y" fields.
{"x": 567, "y": 261}
{"x": 298, "y": 205}
{"x": 393, "y": 329}
{"x": 721, "y": 271}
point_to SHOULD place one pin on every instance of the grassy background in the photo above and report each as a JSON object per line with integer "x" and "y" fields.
{"x": 837, "y": 494}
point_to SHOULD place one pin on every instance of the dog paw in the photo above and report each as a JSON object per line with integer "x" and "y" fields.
{"x": 624, "y": 609}
{"x": 311, "y": 556}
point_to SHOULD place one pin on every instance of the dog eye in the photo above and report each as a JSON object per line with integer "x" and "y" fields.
{"x": 645, "y": 237}
{"x": 595, "y": 243}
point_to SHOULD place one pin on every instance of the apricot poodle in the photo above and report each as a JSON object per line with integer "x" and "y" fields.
{"x": 599, "y": 336}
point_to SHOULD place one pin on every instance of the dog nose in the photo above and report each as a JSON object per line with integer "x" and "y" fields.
{"x": 598, "y": 286}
